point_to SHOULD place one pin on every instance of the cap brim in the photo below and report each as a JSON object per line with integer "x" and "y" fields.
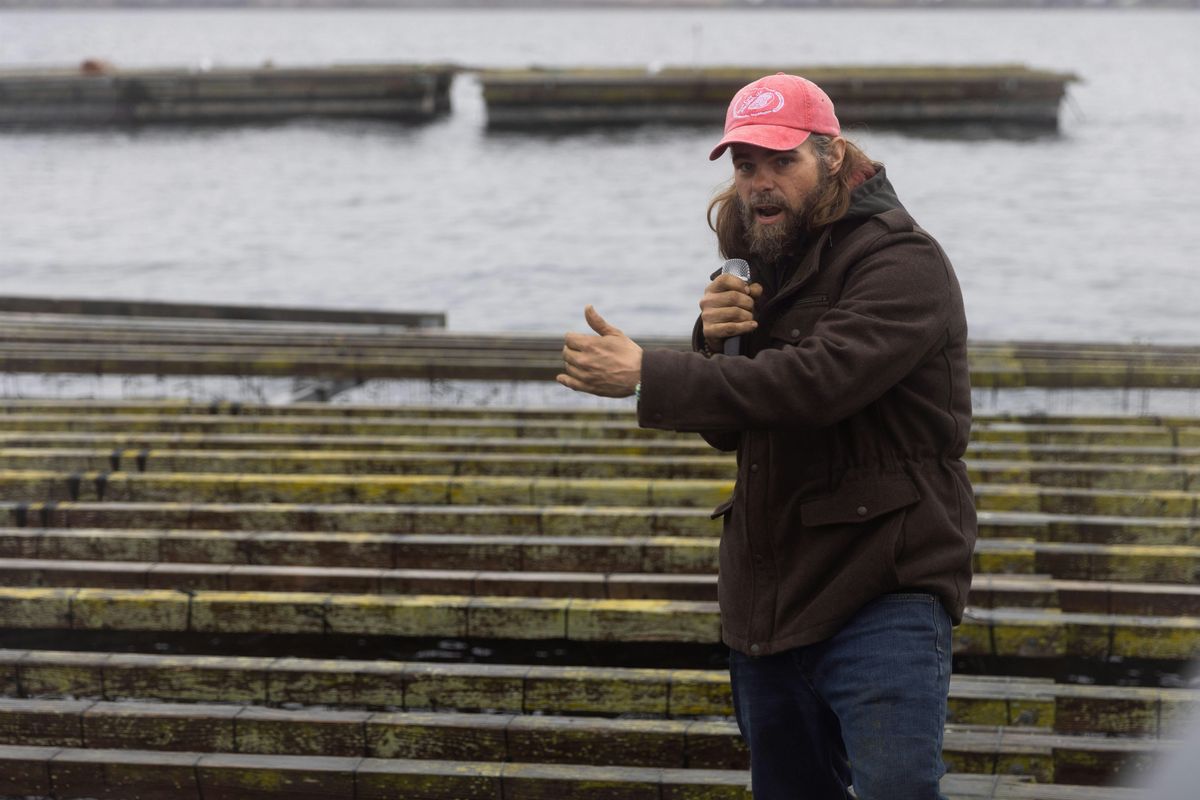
{"x": 772, "y": 137}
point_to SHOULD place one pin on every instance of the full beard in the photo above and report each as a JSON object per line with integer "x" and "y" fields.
{"x": 768, "y": 243}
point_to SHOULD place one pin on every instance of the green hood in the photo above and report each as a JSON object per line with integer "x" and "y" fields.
{"x": 874, "y": 196}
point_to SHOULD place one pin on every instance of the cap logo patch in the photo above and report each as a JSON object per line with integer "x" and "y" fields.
{"x": 758, "y": 102}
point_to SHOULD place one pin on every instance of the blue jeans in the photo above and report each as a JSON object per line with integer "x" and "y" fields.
{"x": 864, "y": 708}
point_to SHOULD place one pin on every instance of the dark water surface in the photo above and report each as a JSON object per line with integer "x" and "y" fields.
{"x": 1092, "y": 234}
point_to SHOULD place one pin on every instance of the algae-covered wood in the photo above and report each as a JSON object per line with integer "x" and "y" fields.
{"x": 101, "y": 94}
{"x": 514, "y": 536}
{"x": 873, "y": 94}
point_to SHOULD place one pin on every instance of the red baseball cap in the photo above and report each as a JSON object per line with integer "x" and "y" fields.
{"x": 777, "y": 112}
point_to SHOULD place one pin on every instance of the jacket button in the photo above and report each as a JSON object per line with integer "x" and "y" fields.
{"x": 754, "y": 649}
{"x": 796, "y": 332}
{"x": 754, "y": 467}
{"x": 861, "y": 511}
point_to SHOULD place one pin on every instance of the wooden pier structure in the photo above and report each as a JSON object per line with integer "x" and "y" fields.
{"x": 990, "y": 98}
{"x": 106, "y": 337}
{"x": 224, "y": 600}
{"x": 97, "y": 94}
{"x": 995, "y": 97}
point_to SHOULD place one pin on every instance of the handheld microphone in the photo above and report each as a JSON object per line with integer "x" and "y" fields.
{"x": 740, "y": 268}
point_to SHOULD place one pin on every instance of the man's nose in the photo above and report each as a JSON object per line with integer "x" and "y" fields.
{"x": 763, "y": 181}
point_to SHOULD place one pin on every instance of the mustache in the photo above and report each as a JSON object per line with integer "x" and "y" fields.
{"x": 769, "y": 199}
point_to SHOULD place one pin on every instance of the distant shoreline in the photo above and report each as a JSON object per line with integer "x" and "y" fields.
{"x": 553, "y": 5}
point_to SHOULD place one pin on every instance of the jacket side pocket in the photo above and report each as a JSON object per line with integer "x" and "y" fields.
{"x": 722, "y": 509}
{"x": 860, "y": 501}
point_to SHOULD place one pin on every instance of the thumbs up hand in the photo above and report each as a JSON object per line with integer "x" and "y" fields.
{"x": 598, "y": 323}
{"x": 608, "y": 364}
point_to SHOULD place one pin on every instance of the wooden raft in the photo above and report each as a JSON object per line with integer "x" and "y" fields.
{"x": 995, "y": 98}
{"x": 176, "y": 579}
{"x": 99, "y": 94}
{"x": 99, "y": 337}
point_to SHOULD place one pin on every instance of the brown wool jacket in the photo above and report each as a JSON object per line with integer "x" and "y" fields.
{"x": 850, "y": 410}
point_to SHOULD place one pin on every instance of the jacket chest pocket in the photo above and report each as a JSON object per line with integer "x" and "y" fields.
{"x": 799, "y": 320}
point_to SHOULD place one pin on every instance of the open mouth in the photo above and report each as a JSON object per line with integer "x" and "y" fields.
{"x": 768, "y": 213}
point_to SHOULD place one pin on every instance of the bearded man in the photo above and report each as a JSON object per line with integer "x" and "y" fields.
{"x": 846, "y": 551}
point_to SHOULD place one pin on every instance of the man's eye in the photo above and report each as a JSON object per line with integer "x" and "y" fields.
{"x": 784, "y": 163}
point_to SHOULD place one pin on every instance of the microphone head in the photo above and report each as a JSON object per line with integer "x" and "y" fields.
{"x": 738, "y": 267}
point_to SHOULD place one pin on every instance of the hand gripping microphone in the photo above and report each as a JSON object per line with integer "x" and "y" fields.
{"x": 738, "y": 267}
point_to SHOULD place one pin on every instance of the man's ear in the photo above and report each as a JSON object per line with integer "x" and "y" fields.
{"x": 837, "y": 154}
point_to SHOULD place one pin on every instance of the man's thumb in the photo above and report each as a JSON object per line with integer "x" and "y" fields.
{"x": 598, "y": 323}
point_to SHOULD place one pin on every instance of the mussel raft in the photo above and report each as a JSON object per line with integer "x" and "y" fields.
{"x": 886, "y": 96}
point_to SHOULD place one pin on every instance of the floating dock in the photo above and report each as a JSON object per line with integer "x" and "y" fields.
{"x": 256, "y": 601}
{"x": 309, "y": 601}
{"x": 97, "y": 94}
{"x": 882, "y": 96}
{"x": 105, "y": 337}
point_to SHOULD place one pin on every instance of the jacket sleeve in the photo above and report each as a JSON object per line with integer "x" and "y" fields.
{"x": 895, "y": 307}
{"x": 721, "y": 440}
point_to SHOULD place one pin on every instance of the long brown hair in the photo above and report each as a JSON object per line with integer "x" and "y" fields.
{"x": 830, "y": 205}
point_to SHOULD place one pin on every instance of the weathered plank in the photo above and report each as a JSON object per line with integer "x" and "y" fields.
{"x": 518, "y": 738}
{"x": 606, "y": 691}
{"x": 525, "y": 588}
{"x": 434, "y": 356}
{"x": 1136, "y": 477}
{"x": 143, "y": 309}
{"x": 44, "y": 486}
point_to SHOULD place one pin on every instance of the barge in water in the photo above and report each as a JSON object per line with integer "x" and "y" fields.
{"x": 96, "y": 93}
{"x": 882, "y": 96}
{"x": 990, "y": 98}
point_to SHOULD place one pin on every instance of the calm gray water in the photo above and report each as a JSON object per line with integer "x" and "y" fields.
{"x": 1090, "y": 235}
